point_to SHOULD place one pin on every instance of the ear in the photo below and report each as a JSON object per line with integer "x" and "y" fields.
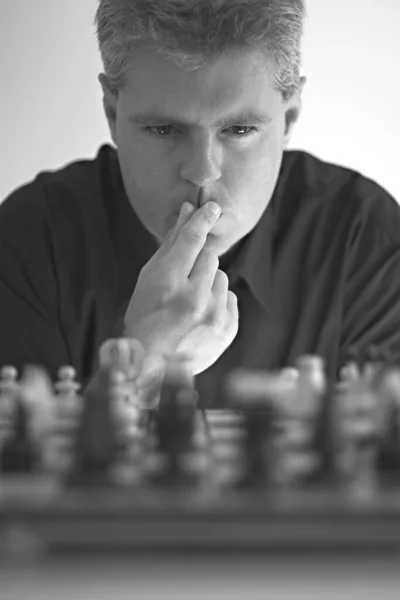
{"x": 110, "y": 101}
{"x": 292, "y": 112}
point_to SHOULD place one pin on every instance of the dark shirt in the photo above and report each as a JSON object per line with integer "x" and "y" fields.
{"x": 319, "y": 273}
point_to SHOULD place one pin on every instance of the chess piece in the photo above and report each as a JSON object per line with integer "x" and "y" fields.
{"x": 19, "y": 453}
{"x": 126, "y": 355}
{"x": 324, "y": 441}
{"x": 257, "y": 395}
{"x": 96, "y": 439}
{"x": 9, "y": 388}
{"x": 387, "y": 387}
{"x": 361, "y": 416}
{"x": 37, "y": 393}
{"x": 300, "y": 420}
{"x": 68, "y": 400}
{"x": 174, "y": 422}
{"x": 122, "y": 354}
{"x": 259, "y": 448}
{"x": 311, "y": 384}
{"x": 127, "y": 414}
{"x": 365, "y": 362}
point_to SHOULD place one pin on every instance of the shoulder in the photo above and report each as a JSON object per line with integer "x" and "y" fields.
{"x": 67, "y": 198}
{"x": 340, "y": 195}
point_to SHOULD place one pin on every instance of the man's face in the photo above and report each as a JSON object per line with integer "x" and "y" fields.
{"x": 195, "y": 136}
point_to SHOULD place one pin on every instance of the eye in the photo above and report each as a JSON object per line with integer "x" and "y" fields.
{"x": 160, "y": 130}
{"x": 247, "y": 130}
{"x": 238, "y": 131}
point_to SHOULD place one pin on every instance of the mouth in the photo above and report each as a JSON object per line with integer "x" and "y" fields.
{"x": 216, "y": 226}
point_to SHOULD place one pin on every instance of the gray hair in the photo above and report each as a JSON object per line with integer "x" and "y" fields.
{"x": 192, "y": 32}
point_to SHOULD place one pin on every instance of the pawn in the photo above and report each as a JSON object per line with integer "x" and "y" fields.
{"x": 19, "y": 454}
{"x": 349, "y": 373}
{"x": 375, "y": 359}
{"x": 366, "y": 362}
{"x": 359, "y": 357}
{"x": 9, "y": 389}
{"x": 68, "y": 401}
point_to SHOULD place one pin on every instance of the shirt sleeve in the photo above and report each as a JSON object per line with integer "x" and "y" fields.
{"x": 371, "y": 306}
{"x": 29, "y": 329}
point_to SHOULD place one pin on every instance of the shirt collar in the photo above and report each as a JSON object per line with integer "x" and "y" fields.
{"x": 253, "y": 260}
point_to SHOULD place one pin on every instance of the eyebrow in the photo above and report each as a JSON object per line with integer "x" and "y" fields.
{"x": 244, "y": 118}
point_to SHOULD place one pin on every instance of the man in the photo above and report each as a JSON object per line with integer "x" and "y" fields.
{"x": 302, "y": 256}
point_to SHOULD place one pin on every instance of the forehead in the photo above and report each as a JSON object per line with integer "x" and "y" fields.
{"x": 232, "y": 82}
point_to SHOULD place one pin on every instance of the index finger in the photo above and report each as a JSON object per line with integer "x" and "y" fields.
{"x": 190, "y": 240}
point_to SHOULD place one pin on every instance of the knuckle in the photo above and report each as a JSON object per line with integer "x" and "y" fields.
{"x": 232, "y": 297}
{"x": 234, "y": 326}
{"x": 217, "y": 320}
{"x": 192, "y": 234}
{"x": 167, "y": 293}
{"x": 209, "y": 258}
{"x": 222, "y": 277}
{"x": 154, "y": 272}
{"x": 233, "y": 310}
{"x": 195, "y": 307}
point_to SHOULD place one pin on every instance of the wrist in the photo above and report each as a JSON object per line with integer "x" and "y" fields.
{"x": 149, "y": 381}
{"x": 154, "y": 344}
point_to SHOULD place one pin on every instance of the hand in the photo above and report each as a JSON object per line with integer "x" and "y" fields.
{"x": 181, "y": 301}
{"x": 201, "y": 348}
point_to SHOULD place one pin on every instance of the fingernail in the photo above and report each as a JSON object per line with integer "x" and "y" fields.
{"x": 187, "y": 208}
{"x": 214, "y": 207}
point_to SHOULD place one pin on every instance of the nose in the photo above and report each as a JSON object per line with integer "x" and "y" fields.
{"x": 202, "y": 163}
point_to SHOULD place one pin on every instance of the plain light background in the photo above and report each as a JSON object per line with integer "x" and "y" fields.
{"x": 51, "y": 103}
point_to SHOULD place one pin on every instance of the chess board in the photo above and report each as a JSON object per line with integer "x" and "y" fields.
{"x": 42, "y": 514}
{"x": 296, "y": 464}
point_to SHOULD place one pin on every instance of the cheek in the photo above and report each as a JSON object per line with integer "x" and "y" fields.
{"x": 253, "y": 170}
{"x": 251, "y": 182}
{"x": 148, "y": 165}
